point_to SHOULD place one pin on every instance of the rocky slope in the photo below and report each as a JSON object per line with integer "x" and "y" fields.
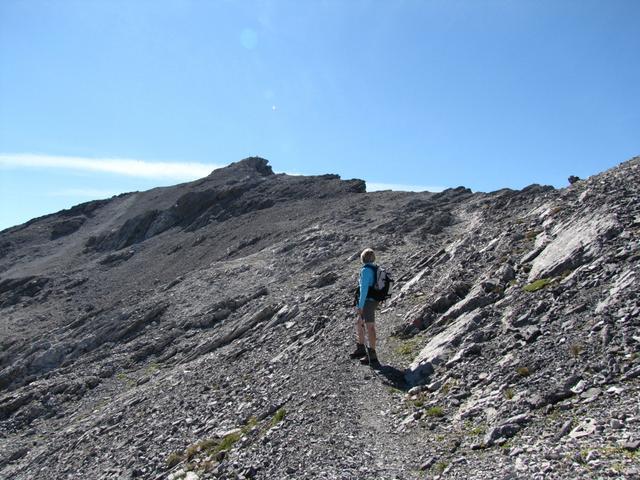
{"x": 201, "y": 331}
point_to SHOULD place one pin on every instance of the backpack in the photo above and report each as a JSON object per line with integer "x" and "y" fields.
{"x": 381, "y": 284}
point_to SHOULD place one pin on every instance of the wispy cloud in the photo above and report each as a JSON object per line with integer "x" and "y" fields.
{"x": 374, "y": 187}
{"x": 180, "y": 171}
{"x": 83, "y": 193}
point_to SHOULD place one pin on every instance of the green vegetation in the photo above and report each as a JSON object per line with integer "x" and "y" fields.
{"x": 441, "y": 466}
{"x": 523, "y": 371}
{"x": 537, "y": 285}
{"x": 152, "y": 368}
{"x": 394, "y": 391}
{"x": 506, "y": 446}
{"x": 408, "y": 349}
{"x": 208, "y": 444}
{"x": 209, "y": 448}
{"x": 618, "y": 451}
{"x": 446, "y": 388}
{"x": 471, "y": 429}
{"x": 252, "y": 422}
{"x": 173, "y": 459}
{"x": 531, "y": 234}
{"x": 435, "y": 411}
{"x": 566, "y": 273}
{"x": 576, "y": 349}
{"x": 128, "y": 381}
{"x": 278, "y": 417}
{"x": 508, "y": 393}
{"x": 191, "y": 451}
{"x": 227, "y": 442}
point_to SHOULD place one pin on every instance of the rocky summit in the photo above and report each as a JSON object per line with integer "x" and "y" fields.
{"x": 202, "y": 331}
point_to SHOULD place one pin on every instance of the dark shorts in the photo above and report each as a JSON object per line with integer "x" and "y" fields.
{"x": 369, "y": 311}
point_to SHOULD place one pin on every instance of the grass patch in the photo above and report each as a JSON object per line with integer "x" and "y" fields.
{"x": 174, "y": 459}
{"x": 395, "y": 391}
{"x": 537, "y": 285}
{"x": 278, "y": 417}
{"x": 475, "y": 430}
{"x": 441, "y": 466}
{"x": 576, "y": 349}
{"x": 228, "y": 441}
{"x": 508, "y": 393}
{"x": 408, "y": 349}
{"x": 152, "y": 368}
{"x": 566, "y": 273}
{"x": 449, "y": 384}
{"x": 252, "y": 422}
{"x": 506, "y": 446}
{"x": 208, "y": 444}
{"x": 191, "y": 452}
{"x": 531, "y": 234}
{"x": 435, "y": 411}
{"x": 128, "y": 381}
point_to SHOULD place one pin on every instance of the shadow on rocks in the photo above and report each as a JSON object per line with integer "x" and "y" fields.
{"x": 394, "y": 377}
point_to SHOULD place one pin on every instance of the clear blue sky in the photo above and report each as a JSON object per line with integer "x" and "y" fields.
{"x": 424, "y": 94}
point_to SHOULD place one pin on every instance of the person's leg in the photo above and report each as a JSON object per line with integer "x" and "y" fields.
{"x": 359, "y": 330}
{"x": 369, "y": 314}
{"x": 360, "y": 350}
{"x": 371, "y": 335}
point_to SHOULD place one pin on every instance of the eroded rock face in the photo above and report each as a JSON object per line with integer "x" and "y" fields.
{"x": 67, "y": 227}
{"x": 202, "y": 330}
{"x": 574, "y": 244}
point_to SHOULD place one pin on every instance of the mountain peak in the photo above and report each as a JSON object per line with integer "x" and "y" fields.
{"x": 252, "y": 165}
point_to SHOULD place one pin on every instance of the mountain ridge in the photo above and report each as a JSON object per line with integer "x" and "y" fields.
{"x": 204, "y": 328}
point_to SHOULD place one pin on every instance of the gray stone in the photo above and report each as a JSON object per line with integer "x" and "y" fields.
{"x": 505, "y": 431}
{"x": 585, "y": 428}
{"x": 616, "y": 424}
{"x": 574, "y": 244}
{"x": 428, "y": 464}
{"x": 565, "y": 429}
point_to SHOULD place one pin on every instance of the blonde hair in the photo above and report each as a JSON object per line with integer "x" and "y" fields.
{"x": 367, "y": 256}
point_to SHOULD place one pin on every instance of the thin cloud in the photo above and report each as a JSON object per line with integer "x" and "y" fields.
{"x": 180, "y": 171}
{"x": 84, "y": 193}
{"x": 375, "y": 187}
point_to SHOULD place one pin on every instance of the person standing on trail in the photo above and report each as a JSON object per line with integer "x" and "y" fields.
{"x": 365, "y": 320}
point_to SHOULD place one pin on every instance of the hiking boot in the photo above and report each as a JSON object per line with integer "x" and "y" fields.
{"x": 359, "y": 352}
{"x": 370, "y": 359}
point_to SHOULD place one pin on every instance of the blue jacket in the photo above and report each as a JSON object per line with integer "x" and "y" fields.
{"x": 366, "y": 281}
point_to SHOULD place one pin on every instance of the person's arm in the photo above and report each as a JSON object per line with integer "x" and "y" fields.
{"x": 366, "y": 280}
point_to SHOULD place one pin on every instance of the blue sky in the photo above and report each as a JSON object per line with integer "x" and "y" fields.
{"x": 422, "y": 94}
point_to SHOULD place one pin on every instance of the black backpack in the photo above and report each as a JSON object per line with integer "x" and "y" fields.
{"x": 381, "y": 287}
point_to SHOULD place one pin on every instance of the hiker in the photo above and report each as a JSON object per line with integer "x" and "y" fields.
{"x": 366, "y": 313}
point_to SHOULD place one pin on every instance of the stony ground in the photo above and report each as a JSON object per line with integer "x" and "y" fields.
{"x": 201, "y": 331}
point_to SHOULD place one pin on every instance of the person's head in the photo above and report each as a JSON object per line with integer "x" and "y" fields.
{"x": 367, "y": 256}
